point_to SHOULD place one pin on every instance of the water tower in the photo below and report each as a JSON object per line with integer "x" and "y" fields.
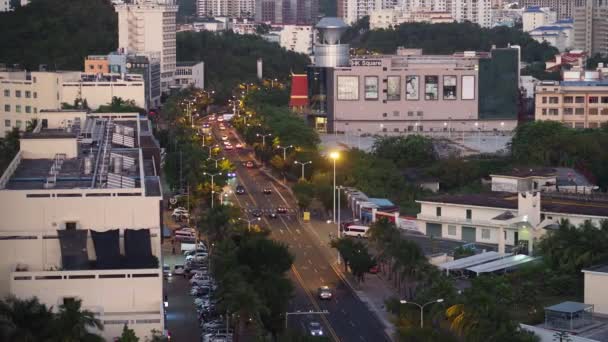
{"x": 328, "y": 51}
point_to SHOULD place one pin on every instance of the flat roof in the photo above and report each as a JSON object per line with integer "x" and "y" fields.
{"x": 598, "y": 269}
{"x": 501, "y": 264}
{"x": 525, "y": 172}
{"x": 569, "y": 307}
{"x": 473, "y": 260}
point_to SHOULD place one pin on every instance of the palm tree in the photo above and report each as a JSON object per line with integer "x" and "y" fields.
{"x": 24, "y": 320}
{"x": 72, "y": 323}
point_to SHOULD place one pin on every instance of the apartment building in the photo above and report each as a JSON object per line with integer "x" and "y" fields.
{"x": 475, "y": 11}
{"x": 269, "y": 11}
{"x": 81, "y": 219}
{"x": 25, "y": 94}
{"x": 580, "y": 102}
{"x": 535, "y": 16}
{"x": 591, "y": 26}
{"x": 505, "y": 218}
{"x": 146, "y": 26}
{"x": 189, "y": 74}
{"x": 225, "y": 8}
{"x": 564, "y": 8}
{"x": 352, "y": 10}
{"x": 297, "y": 38}
{"x": 386, "y": 18}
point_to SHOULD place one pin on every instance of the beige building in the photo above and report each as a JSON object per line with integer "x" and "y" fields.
{"x": 596, "y": 281}
{"x": 149, "y": 26}
{"x": 96, "y": 64}
{"x": 577, "y": 104}
{"x": 591, "y": 26}
{"x": 81, "y": 219}
{"x": 564, "y": 8}
{"x": 386, "y": 18}
{"x": 23, "y": 95}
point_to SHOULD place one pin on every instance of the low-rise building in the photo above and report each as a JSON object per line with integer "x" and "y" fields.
{"x": 98, "y": 89}
{"x": 580, "y": 101}
{"x": 189, "y": 74}
{"x": 81, "y": 219}
{"x": 545, "y": 179}
{"x": 573, "y": 59}
{"x": 391, "y": 17}
{"x": 505, "y": 218}
{"x": 536, "y": 16}
{"x": 596, "y": 280}
{"x": 558, "y": 36}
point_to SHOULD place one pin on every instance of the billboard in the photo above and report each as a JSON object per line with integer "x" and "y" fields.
{"x": 468, "y": 87}
{"x": 348, "y": 88}
{"x": 449, "y": 87}
{"x": 412, "y": 86}
{"x": 393, "y": 88}
{"x": 431, "y": 88}
{"x": 371, "y": 87}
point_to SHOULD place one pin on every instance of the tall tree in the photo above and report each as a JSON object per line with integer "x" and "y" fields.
{"x": 25, "y": 320}
{"x": 72, "y": 323}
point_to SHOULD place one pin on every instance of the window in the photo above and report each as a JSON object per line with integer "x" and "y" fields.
{"x": 604, "y": 99}
{"x": 371, "y": 87}
{"x": 7, "y": 108}
{"x": 18, "y": 123}
{"x": 7, "y": 123}
{"x": 592, "y": 111}
{"x": 579, "y": 111}
{"x": 568, "y": 111}
{"x": 410, "y": 128}
{"x": 35, "y": 110}
{"x": 579, "y": 125}
{"x": 553, "y": 111}
{"x": 28, "y": 109}
{"x": 468, "y": 88}
{"x": 419, "y": 113}
{"x": 469, "y": 214}
{"x": 544, "y": 111}
{"x": 17, "y": 93}
{"x": 438, "y": 211}
{"x": 568, "y": 99}
{"x": 348, "y": 88}
{"x": 579, "y": 99}
{"x": 451, "y": 230}
{"x": 604, "y": 111}
{"x": 7, "y": 93}
{"x": 554, "y": 99}
{"x": 71, "y": 225}
{"x": 35, "y": 95}
{"x": 28, "y": 94}
{"x": 393, "y": 88}
{"x": 594, "y": 99}
{"x": 395, "y": 129}
{"x": 449, "y": 87}
{"x": 412, "y": 87}
{"x": 485, "y": 234}
{"x": 544, "y": 99}
{"x": 431, "y": 88}
{"x": 18, "y": 108}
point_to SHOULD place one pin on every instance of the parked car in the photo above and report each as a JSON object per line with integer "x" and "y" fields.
{"x": 179, "y": 269}
{"x": 224, "y": 137}
{"x": 166, "y": 270}
{"x": 239, "y": 146}
{"x": 272, "y": 215}
{"x": 374, "y": 269}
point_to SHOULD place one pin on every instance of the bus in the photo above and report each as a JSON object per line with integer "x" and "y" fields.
{"x": 356, "y": 231}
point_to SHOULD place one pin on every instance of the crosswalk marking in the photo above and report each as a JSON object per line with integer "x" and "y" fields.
{"x": 290, "y": 211}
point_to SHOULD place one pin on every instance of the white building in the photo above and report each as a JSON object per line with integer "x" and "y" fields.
{"x": 596, "y": 280}
{"x": 505, "y": 218}
{"x": 25, "y": 94}
{"x": 190, "y": 74}
{"x": 297, "y": 38}
{"x": 149, "y": 26}
{"x": 475, "y": 11}
{"x": 81, "y": 220}
{"x": 558, "y": 36}
{"x": 535, "y": 16}
{"x": 225, "y": 8}
{"x": 352, "y": 10}
{"x": 5, "y": 5}
{"x": 386, "y": 18}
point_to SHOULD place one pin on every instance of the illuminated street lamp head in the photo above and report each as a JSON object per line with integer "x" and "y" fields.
{"x": 334, "y": 155}
{"x": 440, "y": 300}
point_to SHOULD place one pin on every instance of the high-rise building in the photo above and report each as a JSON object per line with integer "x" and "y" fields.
{"x": 149, "y": 26}
{"x": 534, "y": 17}
{"x": 287, "y": 12}
{"x": 269, "y": 11}
{"x": 591, "y": 26}
{"x": 81, "y": 219}
{"x": 475, "y": 11}
{"x": 225, "y": 8}
{"x": 352, "y": 10}
{"x": 564, "y": 8}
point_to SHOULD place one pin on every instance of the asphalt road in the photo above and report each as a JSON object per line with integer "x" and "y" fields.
{"x": 348, "y": 319}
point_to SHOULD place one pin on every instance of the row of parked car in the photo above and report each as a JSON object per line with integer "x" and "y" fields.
{"x": 203, "y": 286}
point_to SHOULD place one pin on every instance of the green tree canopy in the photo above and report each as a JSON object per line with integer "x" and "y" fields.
{"x": 409, "y": 151}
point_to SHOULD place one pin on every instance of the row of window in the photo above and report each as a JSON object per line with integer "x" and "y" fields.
{"x": 28, "y": 109}
{"x": 575, "y": 99}
{"x": 7, "y": 123}
{"x": 575, "y": 111}
{"x": 468, "y": 214}
{"x": 18, "y": 93}
{"x": 348, "y": 88}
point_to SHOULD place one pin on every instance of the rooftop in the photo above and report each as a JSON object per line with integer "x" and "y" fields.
{"x": 600, "y": 83}
{"x": 553, "y": 203}
{"x": 529, "y": 172}
{"x": 569, "y": 307}
{"x": 598, "y": 269}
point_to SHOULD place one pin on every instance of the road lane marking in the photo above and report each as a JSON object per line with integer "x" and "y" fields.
{"x": 309, "y": 261}
{"x": 298, "y": 231}
{"x": 279, "y": 193}
{"x": 316, "y": 271}
{"x": 281, "y": 230}
{"x": 314, "y": 303}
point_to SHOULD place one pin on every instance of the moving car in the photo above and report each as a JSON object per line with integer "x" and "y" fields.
{"x": 166, "y": 270}
{"x": 240, "y": 189}
{"x": 179, "y": 269}
{"x": 325, "y": 292}
{"x": 238, "y": 145}
{"x": 281, "y": 210}
{"x": 249, "y": 164}
{"x": 374, "y": 269}
{"x": 224, "y": 137}
{"x": 222, "y": 127}
{"x": 256, "y": 213}
{"x": 179, "y": 212}
{"x": 315, "y": 329}
{"x": 228, "y": 147}
{"x": 356, "y": 231}
{"x": 267, "y": 190}
{"x": 272, "y": 215}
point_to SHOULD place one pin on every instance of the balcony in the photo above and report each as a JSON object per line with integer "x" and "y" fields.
{"x": 457, "y": 220}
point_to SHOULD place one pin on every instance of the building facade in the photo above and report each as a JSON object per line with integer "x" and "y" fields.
{"x": 535, "y": 16}
{"x": 149, "y": 26}
{"x": 352, "y": 10}
{"x": 386, "y": 18}
{"x": 297, "y": 38}
{"x": 5, "y": 5}
{"x": 591, "y": 26}
{"x": 564, "y": 8}
{"x": 475, "y": 11}
{"x": 96, "y": 64}
{"x": 576, "y": 104}
{"x": 190, "y": 74}
{"x": 82, "y": 219}
{"x": 269, "y": 11}
{"x": 225, "y": 8}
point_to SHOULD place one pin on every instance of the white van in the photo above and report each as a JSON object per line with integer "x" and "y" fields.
{"x": 356, "y": 231}
{"x": 185, "y": 236}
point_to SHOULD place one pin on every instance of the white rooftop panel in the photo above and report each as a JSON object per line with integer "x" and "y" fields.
{"x": 501, "y": 264}
{"x": 473, "y": 260}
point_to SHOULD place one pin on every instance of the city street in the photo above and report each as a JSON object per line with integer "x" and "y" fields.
{"x": 348, "y": 319}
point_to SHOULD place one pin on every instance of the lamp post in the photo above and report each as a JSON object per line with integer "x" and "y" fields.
{"x": 210, "y": 148}
{"x": 216, "y": 160}
{"x": 249, "y": 222}
{"x": 285, "y": 148}
{"x": 334, "y": 155}
{"x": 303, "y": 164}
{"x": 263, "y": 137}
{"x": 403, "y": 301}
{"x": 212, "y": 175}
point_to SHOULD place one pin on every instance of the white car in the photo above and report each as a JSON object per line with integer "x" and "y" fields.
{"x": 179, "y": 269}
{"x": 224, "y": 137}
{"x": 198, "y": 256}
{"x": 198, "y": 279}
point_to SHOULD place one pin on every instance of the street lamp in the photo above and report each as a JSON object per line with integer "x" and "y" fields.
{"x": 216, "y": 160}
{"x": 303, "y": 164}
{"x": 263, "y": 137}
{"x": 249, "y": 222}
{"x": 285, "y": 148}
{"x": 403, "y": 301}
{"x": 212, "y": 175}
{"x": 335, "y": 156}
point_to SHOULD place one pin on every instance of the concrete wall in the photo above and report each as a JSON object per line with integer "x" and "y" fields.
{"x": 101, "y": 93}
{"x": 595, "y": 291}
{"x": 47, "y": 148}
